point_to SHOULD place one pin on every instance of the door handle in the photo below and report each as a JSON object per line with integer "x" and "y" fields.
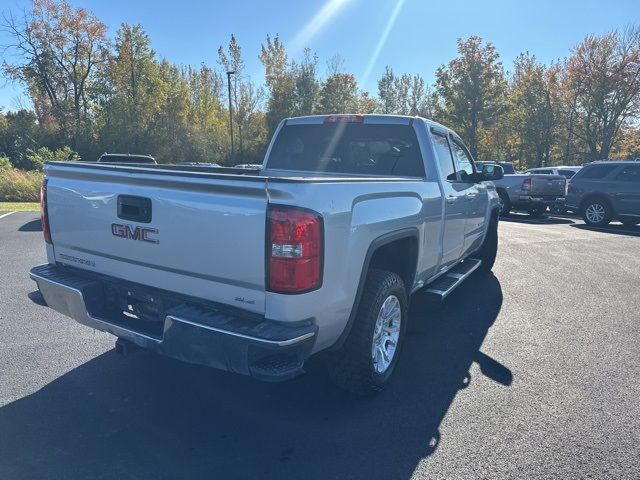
{"x": 451, "y": 199}
{"x": 470, "y": 196}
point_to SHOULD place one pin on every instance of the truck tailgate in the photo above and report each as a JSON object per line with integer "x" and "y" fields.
{"x": 548, "y": 185}
{"x": 204, "y": 235}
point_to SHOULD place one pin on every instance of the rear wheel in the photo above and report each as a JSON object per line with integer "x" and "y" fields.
{"x": 596, "y": 212}
{"x": 489, "y": 249}
{"x": 365, "y": 363}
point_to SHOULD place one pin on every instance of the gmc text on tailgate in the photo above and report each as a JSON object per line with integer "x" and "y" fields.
{"x": 254, "y": 270}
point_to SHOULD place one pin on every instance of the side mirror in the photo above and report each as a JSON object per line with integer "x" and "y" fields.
{"x": 492, "y": 171}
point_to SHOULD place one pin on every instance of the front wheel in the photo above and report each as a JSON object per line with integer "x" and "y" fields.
{"x": 365, "y": 363}
{"x": 596, "y": 213}
{"x": 489, "y": 249}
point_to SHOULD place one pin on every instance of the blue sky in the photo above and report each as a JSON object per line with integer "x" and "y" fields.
{"x": 421, "y": 37}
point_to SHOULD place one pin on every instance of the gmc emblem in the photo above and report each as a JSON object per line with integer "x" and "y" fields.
{"x": 138, "y": 233}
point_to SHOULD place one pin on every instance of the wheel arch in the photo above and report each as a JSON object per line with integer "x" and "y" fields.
{"x": 380, "y": 254}
{"x": 593, "y": 196}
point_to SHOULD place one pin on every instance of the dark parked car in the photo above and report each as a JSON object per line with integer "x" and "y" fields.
{"x": 605, "y": 190}
{"x": 126, "y": 158}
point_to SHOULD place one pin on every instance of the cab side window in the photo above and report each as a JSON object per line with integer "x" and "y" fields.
{"x": 463, "y": 162}
{"x": 445, "y": 160}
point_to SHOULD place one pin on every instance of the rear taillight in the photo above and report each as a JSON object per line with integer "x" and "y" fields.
{"x": 526, "y": 184}
{"x": 294, "y": 251}
{"x": 44, "y": 213}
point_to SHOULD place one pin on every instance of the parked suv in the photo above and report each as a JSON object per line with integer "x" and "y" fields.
{"x": 605, "y": 190}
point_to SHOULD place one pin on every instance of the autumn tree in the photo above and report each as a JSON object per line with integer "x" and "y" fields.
{"x": 470, "y": 90}
{"x": 57, "y": 50}
{"x": 602, "y": 78}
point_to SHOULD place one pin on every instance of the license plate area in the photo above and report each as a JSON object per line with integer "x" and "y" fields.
{"x": 134, "y": 308}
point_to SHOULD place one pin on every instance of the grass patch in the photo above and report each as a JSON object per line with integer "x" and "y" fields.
{"x": 19, "y": 206}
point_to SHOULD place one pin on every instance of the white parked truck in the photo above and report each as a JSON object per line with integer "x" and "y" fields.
{"x": 253, "y": 271}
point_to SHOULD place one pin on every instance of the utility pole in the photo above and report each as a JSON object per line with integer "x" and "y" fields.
{"x": 229, "y": 73}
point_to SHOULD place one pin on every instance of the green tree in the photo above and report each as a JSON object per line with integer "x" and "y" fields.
{"x": 134, "y": 81}
{"x": 532, "y": 110}
{"x": 280, "y": 81}
{"x": 339, "y": 94}
{"x": 470, "y": 90}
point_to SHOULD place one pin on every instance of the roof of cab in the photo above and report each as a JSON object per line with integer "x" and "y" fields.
{"x": 367, "y": 118}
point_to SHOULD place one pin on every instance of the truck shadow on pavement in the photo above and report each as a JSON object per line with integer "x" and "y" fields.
{"x": 146, "y": 416}
{"x": 32, "y": 226}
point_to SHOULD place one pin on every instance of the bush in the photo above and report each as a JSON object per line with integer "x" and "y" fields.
{"x": 35, "y": 158}
{"x": 5, "y": 163}
{"x": 19, "y": 186}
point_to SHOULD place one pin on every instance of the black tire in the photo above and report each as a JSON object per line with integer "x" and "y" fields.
{"x": 505, "y": 203}
{"x": 537, "y": 212}
{"x": 596, "y": 204}
{"x": 352, "y": 366}
{"x": 489, "y": 249}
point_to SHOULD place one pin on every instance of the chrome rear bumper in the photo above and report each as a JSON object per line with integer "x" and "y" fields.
{"x": 222, "y": 338}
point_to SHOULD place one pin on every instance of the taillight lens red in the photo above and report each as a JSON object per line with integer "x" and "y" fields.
{"x": 295, "y": 250}
{"x": 526, "y": 184}
{"x": 44, "y": 214}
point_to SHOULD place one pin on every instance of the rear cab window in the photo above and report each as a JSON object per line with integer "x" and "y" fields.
{"x": 348, "y": 148}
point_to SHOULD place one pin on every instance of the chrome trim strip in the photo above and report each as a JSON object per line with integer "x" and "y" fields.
{"x": 279, "y": 343}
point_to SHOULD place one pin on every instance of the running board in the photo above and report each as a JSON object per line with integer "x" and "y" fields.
{"x": 447, "y": 283}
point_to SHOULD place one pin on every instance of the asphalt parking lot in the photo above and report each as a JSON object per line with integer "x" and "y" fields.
{"x": 531, "y": 373}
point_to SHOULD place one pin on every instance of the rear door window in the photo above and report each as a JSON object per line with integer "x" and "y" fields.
{"x": 629, "y": 173}
{"x": 463, "y": 162}
{"x": 445, "y": 160}
{"x": 597, "y": 171}
{"x": 348, "y": 148}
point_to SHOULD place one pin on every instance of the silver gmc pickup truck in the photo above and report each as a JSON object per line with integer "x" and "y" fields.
{"x": 253, "y": 271}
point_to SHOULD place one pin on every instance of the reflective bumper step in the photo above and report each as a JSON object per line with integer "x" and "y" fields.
{"x": 448, "y": 282}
